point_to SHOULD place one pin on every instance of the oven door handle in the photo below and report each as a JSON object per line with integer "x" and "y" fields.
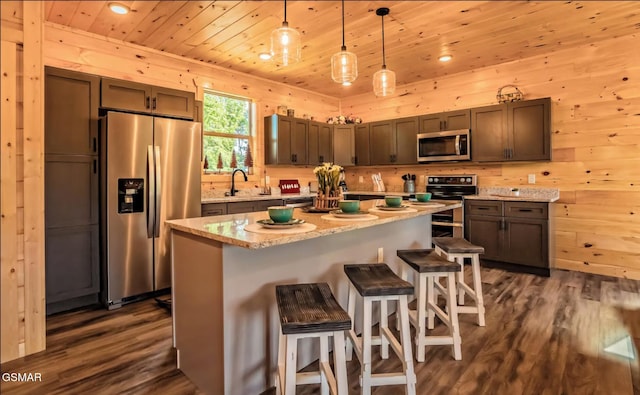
{"x": 458, "y": 145}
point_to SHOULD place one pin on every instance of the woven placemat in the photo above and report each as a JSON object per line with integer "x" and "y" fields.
{"x": 367, "y": 217}
{"x": 257, "y": 228}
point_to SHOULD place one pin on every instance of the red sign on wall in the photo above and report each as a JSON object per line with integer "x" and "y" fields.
{"x": 289, "y": 186}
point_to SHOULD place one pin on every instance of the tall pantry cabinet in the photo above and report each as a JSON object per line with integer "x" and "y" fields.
{"x": 71, "y": 189}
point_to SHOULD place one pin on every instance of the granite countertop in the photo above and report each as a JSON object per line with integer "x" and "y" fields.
{"x": 248, "y": 198}
{"x": 229, "y": 229}
{"x": 526, "y": 194}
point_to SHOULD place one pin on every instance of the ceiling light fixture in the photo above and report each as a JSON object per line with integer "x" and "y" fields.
{"x": 344, "y": 64}
{"x": 119, "y": 8}
{"x": 264, "y": 55}
{"x": 445, "y": 58}
{"x": 384, "y": 81}
{"x": 286, "y": 47}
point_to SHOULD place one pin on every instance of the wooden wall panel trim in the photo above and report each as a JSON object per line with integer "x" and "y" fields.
{"x": 35, "y": 327}
{"x": 9, "y": 334}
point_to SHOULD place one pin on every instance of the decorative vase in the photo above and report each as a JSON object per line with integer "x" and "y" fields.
{"x": 328, "y": 199}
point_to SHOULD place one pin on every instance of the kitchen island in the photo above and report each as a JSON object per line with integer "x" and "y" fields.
{"x": 225, "y": 320}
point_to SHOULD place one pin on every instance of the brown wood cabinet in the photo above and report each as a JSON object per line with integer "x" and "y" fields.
{"x": 142, "y": 98}
{"x": 72, "y": 261}
{"x": 344, "y": 145}
{"x": 285, "y": 140}
{"x": 511, "y": 232}
{"x": 362, "y": 144}
{"x": 320, "y": 143}
{"x": 518, "y": 131}
{"x": 450, "y": 120}
{"x": 249, "y": 206}
{"x": 394, "y": 141}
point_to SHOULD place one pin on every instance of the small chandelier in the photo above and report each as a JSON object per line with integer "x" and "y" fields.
{"x": 344, "y": 64}
{"x": 384, "y": 81}
{"x": 286, "y": 47}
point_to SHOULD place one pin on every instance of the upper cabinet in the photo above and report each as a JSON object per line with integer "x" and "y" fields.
{"x": 344, "y": 145}
{"x": 451, "y": 120}
{"x": 320, "y": 145}
{"x": 395, "y": 141}
{"x": 518, "y": 131}
{"x": 136, "y": 97}
{"x": 285, "y": 140}
{"x": 362, "y": 143}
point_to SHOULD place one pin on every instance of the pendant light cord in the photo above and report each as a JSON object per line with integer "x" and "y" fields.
{"x": 384, "y": 63}
{"x": 344, "y": 47}
{"x": 285, "y": 10}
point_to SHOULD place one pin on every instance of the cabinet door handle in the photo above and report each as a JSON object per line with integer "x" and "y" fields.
{"x": 482, "y": 208}
{"x": 148, "y": 105}
{"x": 155, "y": 100}
{"x": 321, "y": 158}
{"x": 95, "y": 166}
{"x": 444, "y": 123}
{"x": 502, "y": 224}
{"x": 95, "y": 145}
{"x": 525, "y": 210}
{"x": 510, "y": 153}
{"x": 354, "y": 160}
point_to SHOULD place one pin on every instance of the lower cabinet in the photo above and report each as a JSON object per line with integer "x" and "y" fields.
{"x": 210, "y": 209}
{"x": 511, "y": 232}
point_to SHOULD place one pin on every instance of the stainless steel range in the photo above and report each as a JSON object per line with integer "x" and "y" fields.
{"x": 450, "y": 187}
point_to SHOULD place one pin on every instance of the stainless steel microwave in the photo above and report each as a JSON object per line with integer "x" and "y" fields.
{"x": 449, "y": 145}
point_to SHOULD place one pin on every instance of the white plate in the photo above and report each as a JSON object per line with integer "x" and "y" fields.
{"x": 428, "y": 204}
{"x": 387, "y": 208}
{"x": 269, "y": 224}
{"x": 340, "y": 214}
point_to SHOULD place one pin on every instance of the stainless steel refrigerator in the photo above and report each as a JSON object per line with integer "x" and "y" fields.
{"x": 150, "y": 174}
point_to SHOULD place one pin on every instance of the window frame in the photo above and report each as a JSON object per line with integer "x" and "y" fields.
{"x": 208, "y": 133}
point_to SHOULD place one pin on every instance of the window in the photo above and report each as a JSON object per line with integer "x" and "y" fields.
{"x": 227, "y": 133}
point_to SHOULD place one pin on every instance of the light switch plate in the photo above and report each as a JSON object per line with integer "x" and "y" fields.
{"x": 360, "y": 179}
{"x": 532, "y": 178}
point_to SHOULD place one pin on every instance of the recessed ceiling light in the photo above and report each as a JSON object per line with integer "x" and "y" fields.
{"x": 265, "y": 56}
{"x": 119, "y": 8}
{"x": 445, "y": 58}
{"x": 346, "y": 83}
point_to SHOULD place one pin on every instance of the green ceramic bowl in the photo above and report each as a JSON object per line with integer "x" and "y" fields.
{"x": 349, "y": 206}
{"x": 393, "y": 201}
{"x": 280, "y": 214}
{"x": 423, "y": 196}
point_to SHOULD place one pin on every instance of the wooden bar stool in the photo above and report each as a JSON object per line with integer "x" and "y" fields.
{"x": 456, "y": 248}
{"x": 377, "y": 283}
{"x": 310, "y": 310}
{"x": 430, "y": 267}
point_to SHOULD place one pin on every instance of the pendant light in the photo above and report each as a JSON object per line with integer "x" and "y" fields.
{"x": 384, "y": 81}
{"x": 285, "y": 43}
{"x": 344, "y": 64}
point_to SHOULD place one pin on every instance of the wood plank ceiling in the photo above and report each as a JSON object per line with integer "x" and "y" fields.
{"x": 232, "y": 34}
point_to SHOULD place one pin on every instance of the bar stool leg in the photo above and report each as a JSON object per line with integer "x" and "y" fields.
{"x": 405, "y": 336}
{"x": 461, "y": 292}
{"x": 477, "y": 287}
{"x": 291, "y": 362}
{"x": 453, "y": 316}
{"x": 366, "y": 348}
{"x": 351, "y": 310}
{"x": 324, "y": 359}
{"x": 431, "y": 298}
{"x": 422, "y": 316}
{"x": 282, "y": 353}
{"x": 384, "y": 323}
{"x": 339, "y": 363}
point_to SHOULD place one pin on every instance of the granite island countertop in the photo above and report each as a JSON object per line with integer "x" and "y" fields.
{"x": 527, "y": 194}
{"x": 229, "y": 229}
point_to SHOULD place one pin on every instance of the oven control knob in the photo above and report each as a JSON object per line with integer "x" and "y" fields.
{"x": 430, "y": 179}
{"x": 468, "y": 179}
{"x": 435, "y": 179}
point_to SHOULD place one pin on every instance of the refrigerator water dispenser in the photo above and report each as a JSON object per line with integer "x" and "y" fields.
{"x": 130, "y": 195}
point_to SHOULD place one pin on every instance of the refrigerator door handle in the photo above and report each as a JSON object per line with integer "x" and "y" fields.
{"x": 151, "y": 187}
{"x": 157, "y": 193}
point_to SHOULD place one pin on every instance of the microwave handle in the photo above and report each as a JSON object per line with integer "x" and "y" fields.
{"x": 458, "y": 145}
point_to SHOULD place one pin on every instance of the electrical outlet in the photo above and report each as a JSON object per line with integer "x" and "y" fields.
{"x": 532, "y": 178}
{"x": 380, "y": 255}
{"x": 360, "y": 179}
{"x": 422, "y": 180}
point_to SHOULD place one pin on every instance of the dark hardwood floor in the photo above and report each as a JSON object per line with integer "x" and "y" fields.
{"x": 560, "y": 335}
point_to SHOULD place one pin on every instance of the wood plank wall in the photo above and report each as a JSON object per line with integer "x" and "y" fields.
{"x": 595, "y": 92}
{"x": 22, "y": 201}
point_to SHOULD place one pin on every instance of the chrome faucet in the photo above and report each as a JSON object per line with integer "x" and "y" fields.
{"x": 233, "y": 180}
